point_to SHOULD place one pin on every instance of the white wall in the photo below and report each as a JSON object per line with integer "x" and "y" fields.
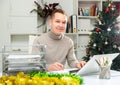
{"x": 4, "y": 22}
{"x": 6, "y": 19}
{"x": 67, "y": 5}
{"x": 4, "y": 11}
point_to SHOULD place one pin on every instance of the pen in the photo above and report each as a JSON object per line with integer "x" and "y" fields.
{"x": 97, "y": 62}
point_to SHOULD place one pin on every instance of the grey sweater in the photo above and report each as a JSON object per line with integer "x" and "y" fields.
{"x": 58, "y": 48}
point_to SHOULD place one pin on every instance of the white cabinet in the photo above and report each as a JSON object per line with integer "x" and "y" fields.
{"x": 23, "y": 25}
{"x": 21, "y": 21}
{"x": 86, "y": 16}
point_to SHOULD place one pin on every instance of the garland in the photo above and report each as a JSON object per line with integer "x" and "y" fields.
{"x": 38, "y": 78}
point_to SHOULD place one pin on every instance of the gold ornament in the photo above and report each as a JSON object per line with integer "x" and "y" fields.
{"x": 90, "y": 33}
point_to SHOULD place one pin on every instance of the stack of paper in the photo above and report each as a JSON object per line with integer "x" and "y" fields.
{"x": 26, "y": 63}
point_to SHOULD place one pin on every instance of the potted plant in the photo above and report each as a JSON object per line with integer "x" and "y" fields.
{"x": 44, "y": 10}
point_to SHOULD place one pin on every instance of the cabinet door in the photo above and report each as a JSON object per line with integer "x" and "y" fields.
{"x": 21, "y": 20}
{"x": 21, "y": 7}
{"x": 83, "y": 40}
{"x": 23, "y": 25}
{"x": 84, "y": 26}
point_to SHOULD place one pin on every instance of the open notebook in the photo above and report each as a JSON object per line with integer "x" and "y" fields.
{"x": 92, "y": 67}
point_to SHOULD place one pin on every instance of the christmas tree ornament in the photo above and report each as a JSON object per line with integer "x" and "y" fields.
{"x": 90, "y": 33}
{"x": 87, "y": 51}
{"x": 113, "y": 8}
{"x": 100, "y": 23}
{"x": 114, "y": 46}
{"x": 99, "y": 49}
{"x": 97, "y": 30}
{"x": 107, "y": 10}
{"x": 108, "y": 29}
{"x": 109, "y": 5}
{"x": 106, "y": 42}
{"x": 98, "y": 16}
{"x": 89, "y": 41}
{"x": 94, "y": 44}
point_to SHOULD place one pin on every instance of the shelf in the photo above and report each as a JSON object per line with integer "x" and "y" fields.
{"x": 88, "y": 0}
{"x": 88, "y": 7}
{"x": 84, "y": 33}
{"x": 70, "y": 33}
{"x": 87, "y": 17}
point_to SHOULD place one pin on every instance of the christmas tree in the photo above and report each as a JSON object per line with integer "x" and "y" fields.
{"x": 105, "y": 37}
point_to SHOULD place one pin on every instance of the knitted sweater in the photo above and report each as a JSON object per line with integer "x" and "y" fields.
{"x": 58, "y": 49}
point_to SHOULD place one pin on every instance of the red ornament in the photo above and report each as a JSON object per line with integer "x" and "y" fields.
{"x": 117, "y": 39}
{"x": 111, "y": 6}
{"x": 107, "y": 10}
{"x": 87, "y": 51}
{"x": 97, "y": 30}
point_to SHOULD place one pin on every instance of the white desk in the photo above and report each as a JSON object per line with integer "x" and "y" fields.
{"x": 94, "y": 80}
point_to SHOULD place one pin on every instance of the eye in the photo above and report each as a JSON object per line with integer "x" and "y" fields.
{"x": 57, "y": 21}
{"x": 64, "y": 22}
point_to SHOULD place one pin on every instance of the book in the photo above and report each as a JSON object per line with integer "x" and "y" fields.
{"x": 73, "y": 23}
{"x": 93, "y": 9}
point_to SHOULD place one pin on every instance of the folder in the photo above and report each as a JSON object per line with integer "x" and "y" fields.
{"x": 74, "y": 23}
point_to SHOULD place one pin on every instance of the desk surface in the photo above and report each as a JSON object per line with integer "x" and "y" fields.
{"x": 94, "y": 80}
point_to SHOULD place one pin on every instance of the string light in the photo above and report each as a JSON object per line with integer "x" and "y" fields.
{"x": 108, "y": 29}
{"x": 94, "y": 44}
{"x": 106, "y": 42}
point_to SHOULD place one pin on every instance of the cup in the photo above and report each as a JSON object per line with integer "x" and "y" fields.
{"x": 104, "y": 72}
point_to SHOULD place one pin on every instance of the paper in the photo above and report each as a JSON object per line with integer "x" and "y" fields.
{"x": 23, "y": 56}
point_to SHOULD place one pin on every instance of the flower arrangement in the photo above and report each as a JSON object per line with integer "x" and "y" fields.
{"x": 44, "y": 10}
{"x": 38, "y": 78}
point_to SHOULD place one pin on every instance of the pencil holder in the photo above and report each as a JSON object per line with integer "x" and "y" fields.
{"x": 104, "y": 72}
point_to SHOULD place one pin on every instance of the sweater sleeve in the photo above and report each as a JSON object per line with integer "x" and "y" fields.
{"x": 71, "y": 58}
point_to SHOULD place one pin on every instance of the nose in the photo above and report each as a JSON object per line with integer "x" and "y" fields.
{"x": 61, "y": 24}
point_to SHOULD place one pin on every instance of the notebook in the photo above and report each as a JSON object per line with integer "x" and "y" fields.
{"x": 92, "y": 67}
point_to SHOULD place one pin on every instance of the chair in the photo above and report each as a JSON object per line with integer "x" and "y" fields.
{"x": 31, "y": 40}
